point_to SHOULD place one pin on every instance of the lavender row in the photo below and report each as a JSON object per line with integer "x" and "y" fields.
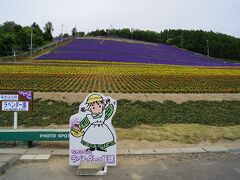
{"x": 116, "y": 51}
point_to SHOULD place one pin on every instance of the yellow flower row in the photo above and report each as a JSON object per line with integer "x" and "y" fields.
{"x": 116, "y": 69}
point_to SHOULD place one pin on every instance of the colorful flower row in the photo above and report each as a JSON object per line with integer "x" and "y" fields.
{"x": 118, "y": 78}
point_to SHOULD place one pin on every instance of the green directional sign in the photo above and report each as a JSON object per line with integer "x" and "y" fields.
{"x": 34, "y": 135}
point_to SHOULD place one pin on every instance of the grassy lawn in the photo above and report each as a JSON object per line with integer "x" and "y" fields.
{"x": 132, "y": 114}
{"x": 189, "y": 122}
{"x": 182, "y": 133}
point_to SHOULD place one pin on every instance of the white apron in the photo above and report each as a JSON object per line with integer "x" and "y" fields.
{"x": 97, "y": 132}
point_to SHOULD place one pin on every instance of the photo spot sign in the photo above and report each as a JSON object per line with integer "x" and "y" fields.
{"x": 92, "y": 135}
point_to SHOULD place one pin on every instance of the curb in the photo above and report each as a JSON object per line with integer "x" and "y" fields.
{"x": 65, "y": 152}
{"x": 9, "y": 158}
{"x": 184, "y": 150}
{"x": 5, "y": 164}
{"x": 159, "y": 151}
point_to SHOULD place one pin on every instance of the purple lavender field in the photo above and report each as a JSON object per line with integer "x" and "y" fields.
{"x": 118, "y": 51}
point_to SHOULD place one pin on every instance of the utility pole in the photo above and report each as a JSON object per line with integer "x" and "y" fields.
{"x": 62, "y": 33}
{"x": 14, "y": 55}
{"x": 132, "y": 30}
{"x": 182, "y": 41}
{"x": 31, "y": 42}
{"x": 208, "y": 47}
{"x": 75, "y": 31}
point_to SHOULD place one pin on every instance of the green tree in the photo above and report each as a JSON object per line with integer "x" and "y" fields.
{"x": 24, "y": 37}
{"x": 38, "y": 35}
{"x": 48, "y": 29}
{"x": 126, "y": 33}
{"x": 74, "y": 32}
{"x": 11, "y": 27}
{"x": 14, "y": 36}
{"x": 66, "y": 35}
{"x": 81, "y": 34}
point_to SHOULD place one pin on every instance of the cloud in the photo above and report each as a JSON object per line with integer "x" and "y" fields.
{"x": 221, "y": 16}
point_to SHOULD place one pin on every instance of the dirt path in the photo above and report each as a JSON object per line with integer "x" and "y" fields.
{"x": 160, "y": 97}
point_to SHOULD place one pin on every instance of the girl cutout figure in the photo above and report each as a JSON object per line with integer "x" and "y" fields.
{"x": 94, "y": 128}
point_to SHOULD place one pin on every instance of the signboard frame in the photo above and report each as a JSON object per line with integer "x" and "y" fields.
{"x": 92, "y": 136}
{"x": 15, "y": 99}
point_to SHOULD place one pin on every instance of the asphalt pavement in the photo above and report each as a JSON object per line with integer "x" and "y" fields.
{"x": 190, "y": 166}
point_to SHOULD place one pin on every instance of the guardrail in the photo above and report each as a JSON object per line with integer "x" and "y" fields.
{"x": 39, "y": 49}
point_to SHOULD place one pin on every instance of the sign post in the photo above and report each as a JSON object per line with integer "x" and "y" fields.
{"x": 15, "y": 120}
{"x": 92, "y": 136}
{"x": 15, "y": 101}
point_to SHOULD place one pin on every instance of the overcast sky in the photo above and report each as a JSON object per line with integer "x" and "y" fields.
{"x": 216, "y": 15}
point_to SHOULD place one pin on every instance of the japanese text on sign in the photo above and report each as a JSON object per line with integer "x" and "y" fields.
{"x": 15, "y": 106}
{"x": 87, "y": 156}
{"x": 8, "y": 97}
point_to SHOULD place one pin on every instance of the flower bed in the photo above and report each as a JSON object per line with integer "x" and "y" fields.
{"x": 117, "y": 51}
{"x": 119, "y": 78}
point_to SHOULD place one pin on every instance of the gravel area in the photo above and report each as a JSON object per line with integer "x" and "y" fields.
{"x": 160, "y": 97}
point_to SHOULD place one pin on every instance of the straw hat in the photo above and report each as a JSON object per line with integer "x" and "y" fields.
{"x": 94, "y": 98}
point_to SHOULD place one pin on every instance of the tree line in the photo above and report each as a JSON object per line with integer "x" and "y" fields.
{"x": 17, "y": 38}
{"x": 14, "y": 37}
{"x": 216, "y": 45}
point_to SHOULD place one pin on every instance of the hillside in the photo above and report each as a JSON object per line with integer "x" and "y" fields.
{"x": 217, "y": 44}
{"x": 110, "y": 50}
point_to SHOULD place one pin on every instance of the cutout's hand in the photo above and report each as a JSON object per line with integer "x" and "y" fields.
{"x": 83, "y": 109}
{"x": 108, "y": 101}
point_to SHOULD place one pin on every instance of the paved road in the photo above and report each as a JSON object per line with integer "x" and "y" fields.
{"x": 205, "y": 166}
